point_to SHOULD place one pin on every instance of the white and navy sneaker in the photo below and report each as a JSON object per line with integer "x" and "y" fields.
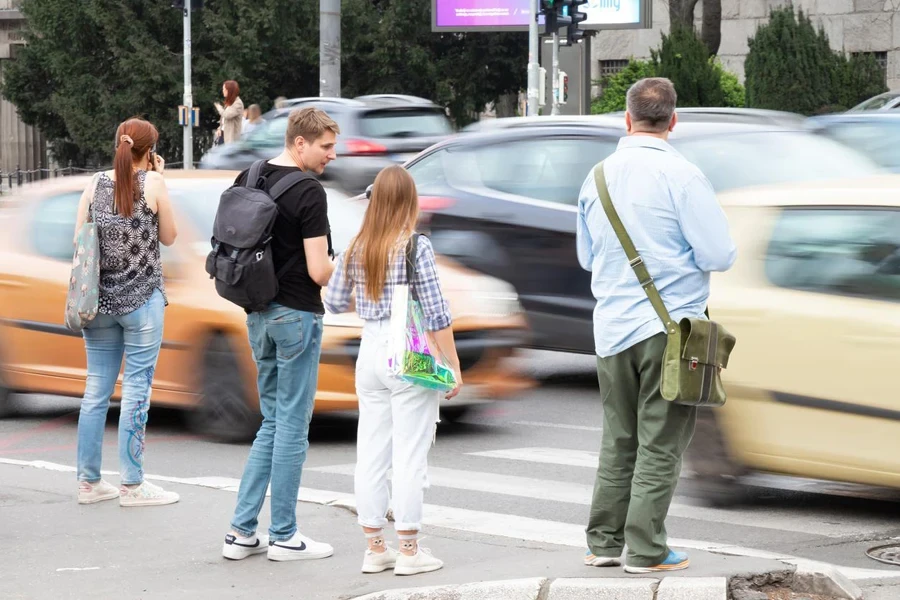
{"x": 238, "y": 548}
{"x": 299, "y": 547}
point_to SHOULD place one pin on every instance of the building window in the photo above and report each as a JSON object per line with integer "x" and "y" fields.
{"x": 608, "y": 68}
{"x": 880, "y": 57}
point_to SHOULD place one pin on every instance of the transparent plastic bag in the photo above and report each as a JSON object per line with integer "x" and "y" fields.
{"x": 414, "y": 356}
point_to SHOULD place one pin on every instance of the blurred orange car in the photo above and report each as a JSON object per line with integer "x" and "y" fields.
{"x": 205, "y": 364}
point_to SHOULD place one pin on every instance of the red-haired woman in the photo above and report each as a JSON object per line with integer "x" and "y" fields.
{"x": 130, "y": 206}
{"x": 231, "y": 116}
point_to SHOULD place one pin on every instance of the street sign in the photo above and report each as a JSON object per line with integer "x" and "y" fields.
{"x": 183, "y": 116}
{"x": 514, "y": 15}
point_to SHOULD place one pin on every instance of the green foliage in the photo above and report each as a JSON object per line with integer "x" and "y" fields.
{"x": 735, "y": 95}
{"x": 616, "y": 87}
{"x": 91, "y": 64}
{"x": 792, "y": 67}
{"x": 699, "y": 79}
{"x": 685, "y": 60}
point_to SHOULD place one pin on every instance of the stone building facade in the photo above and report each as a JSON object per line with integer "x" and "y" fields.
{"x": 21, "y": 146}
{"x": 853, "y": 26}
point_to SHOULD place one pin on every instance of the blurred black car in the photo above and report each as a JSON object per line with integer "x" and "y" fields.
{"x": 876, "y": 134}
{"x": 376, "y": 131}
{"x": 502, "y": 198}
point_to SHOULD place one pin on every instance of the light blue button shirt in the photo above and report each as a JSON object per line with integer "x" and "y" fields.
{"x": 670, "y": 211}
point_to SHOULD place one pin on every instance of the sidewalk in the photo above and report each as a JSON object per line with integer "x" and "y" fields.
{"x": 62, "y": 550}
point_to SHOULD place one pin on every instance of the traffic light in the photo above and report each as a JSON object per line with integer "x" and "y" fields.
{"x": 573, "y": 33}
{"x": 556, "y": 15}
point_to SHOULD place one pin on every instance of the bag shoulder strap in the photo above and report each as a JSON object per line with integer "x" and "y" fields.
{"x": 411, "y": 251}
{"x": 634, "y": 259}
{"x": 287, "y": 182}
{"x": 254, "y": 174}
{"x": 89, "y": 209}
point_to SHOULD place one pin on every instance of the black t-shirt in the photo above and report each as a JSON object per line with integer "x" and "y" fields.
{"x": 307, "y": 205}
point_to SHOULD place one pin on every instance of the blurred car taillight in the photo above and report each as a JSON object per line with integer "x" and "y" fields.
{"x": 432, "y": 203}
{"x": 364, "y": 147}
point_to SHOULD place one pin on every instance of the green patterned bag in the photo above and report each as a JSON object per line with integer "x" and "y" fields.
{"x": 83, "y": 298}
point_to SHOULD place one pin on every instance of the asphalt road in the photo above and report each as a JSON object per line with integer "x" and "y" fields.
{"x": 516, "y": 470}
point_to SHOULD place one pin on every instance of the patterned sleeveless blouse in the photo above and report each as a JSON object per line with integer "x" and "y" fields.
{"x": 130, "y": 267}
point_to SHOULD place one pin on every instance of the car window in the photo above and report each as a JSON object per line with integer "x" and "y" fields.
{"x": 404, "y": 124}
{"x": 53, "y": 227}
{"x": 879, "y": 140}
{"x": 545, "y": 169}
{"x": 876, "y": 102}
{"x": 839, "y": 251}
{"x": 773, "y": 157}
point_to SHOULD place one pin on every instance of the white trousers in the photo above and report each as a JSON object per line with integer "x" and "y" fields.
{"x": 397, "y": 424}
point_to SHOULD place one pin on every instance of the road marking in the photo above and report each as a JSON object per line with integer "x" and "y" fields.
{"x": 78, "y": 569}
{"x": 487, "y": 523}
{"x": 557, "y": 425}
{"x": 835, "y": 526}
{"x": 550, "y": 456}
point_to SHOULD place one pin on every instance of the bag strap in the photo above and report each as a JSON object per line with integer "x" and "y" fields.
{"x": 634, "y": 259}
{"x": 88, "y": 210}
{"x": 253, "y": 175}
{"x": 411, "y": 249}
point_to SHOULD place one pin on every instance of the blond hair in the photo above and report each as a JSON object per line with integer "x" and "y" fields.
{"x": 390, "y": 220}
{"x": 309, "y": 123}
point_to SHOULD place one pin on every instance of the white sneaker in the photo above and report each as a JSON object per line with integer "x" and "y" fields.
{"x": 421, "y": 562}
{"x": 91, "y": 493}
{"x": 376, "y": 562}
{"x": 299, "y": 547}
{"x": 239, "y": 548}
{"x": 146, "y": 494}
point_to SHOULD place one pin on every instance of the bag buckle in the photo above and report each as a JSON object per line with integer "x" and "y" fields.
{"x": 695, "y": 362}
{"x": 259, "y": 255}
{"x": 636, "y": 262}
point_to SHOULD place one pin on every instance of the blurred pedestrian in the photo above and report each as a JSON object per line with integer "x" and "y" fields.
{"x": 280, "y": 102}
{"x": 397, "y": 420}
{"x": 231, "y": 115}
{"x": 286, "y": 339}
{"x": 131, "y": 209}
{"x": 254, "y": 119}
{"x": 670, "y": 211}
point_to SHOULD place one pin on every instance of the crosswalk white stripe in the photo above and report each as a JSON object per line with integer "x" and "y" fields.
{"x": 495, "y": 524}
{"x": 557, "y": 425}
{"x": 550, "y": 456}
{"x": 580, "y": 494}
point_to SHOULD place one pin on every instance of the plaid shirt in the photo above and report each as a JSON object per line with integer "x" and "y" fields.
{"x": 341, "y": 288}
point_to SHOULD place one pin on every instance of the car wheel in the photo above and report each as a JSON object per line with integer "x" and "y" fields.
{"x": 718, "y": 475}
{"x": 454, "y": 414}
{"x": 223, "y": 412}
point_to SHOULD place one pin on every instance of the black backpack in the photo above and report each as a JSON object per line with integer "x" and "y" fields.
{"x": 241, "y": 258}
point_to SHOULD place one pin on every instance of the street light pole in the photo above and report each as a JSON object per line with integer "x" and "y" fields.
{"x": 330, "y": 48}
{"x": 554, "y": 76}
{"x": 533, "y": 65}
{"x": 188, "y": 90}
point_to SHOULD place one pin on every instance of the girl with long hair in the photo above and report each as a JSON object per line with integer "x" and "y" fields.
{"x": 130, "y": 207}
{"x": 231, "y": 115}
{"x": 397, "y": 420}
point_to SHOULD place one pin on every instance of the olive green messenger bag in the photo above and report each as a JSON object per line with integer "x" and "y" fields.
{"x": 696, "y": 349}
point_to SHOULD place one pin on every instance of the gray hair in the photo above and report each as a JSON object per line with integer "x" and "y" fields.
{"x": 651, "y": 104}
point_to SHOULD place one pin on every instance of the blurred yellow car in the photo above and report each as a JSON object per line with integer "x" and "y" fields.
{"x": 205, "y": 364}
{"x": 814, "y": 301}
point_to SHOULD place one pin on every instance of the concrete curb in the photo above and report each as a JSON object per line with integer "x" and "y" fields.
{"x": 596, "y": 588}
{"x": 808, "y": 579}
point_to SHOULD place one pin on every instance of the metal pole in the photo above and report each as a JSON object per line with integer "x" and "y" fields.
{"x": 534, "y": 42}
{"x": 188, "y": 90}
{"x": 330, "y": 48}
{"x": 554, "y": 77}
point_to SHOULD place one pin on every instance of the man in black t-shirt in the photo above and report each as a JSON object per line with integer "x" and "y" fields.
{"x": 286, "y": 339}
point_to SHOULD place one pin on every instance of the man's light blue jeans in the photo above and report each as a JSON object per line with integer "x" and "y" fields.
{"x": 286, "y": 346}
{"x": 137, "y": 336}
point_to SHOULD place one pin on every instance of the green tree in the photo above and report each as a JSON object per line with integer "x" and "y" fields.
{"x": 615, "y": 88}
{"x": 89, "y": 65}
{"x": 735, "y": 95}
{"x": 685, "y": 60}
{"x": 792, "y": 67}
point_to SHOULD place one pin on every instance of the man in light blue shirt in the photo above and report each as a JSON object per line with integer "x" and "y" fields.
{"x": 670, "y": 211}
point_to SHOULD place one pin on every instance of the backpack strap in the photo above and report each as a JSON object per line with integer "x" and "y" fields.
{"x": 254, "y": 175}
{"x": 287, "y": 182}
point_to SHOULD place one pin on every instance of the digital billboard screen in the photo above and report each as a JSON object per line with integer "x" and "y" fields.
{"x": 515, "y": 15}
